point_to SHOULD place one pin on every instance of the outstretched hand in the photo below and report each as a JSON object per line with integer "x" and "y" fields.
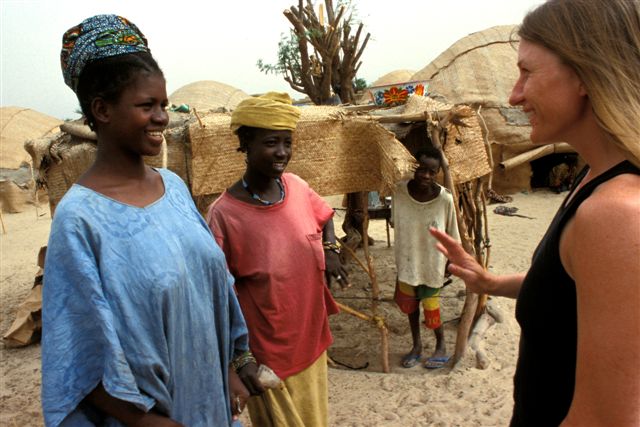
{"x": 461, "y": 264}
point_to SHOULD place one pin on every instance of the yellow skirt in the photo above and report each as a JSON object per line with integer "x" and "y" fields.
{"x": 302, "y": 400}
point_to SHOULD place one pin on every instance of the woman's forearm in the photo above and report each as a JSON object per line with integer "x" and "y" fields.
{"x": 126, "y": 412}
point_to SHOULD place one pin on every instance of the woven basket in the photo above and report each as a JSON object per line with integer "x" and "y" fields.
{"x": 333, "y": 151}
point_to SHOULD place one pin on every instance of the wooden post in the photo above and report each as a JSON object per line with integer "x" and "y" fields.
{"x": 471, "y": 300}
{"x": 380, "y": 324}
{"x": 536, "y": 153}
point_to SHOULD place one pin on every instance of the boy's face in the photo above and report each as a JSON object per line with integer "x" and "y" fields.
{"x": 425, "y": 174}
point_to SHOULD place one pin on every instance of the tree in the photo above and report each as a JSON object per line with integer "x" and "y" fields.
{"x": 317, "y": 57}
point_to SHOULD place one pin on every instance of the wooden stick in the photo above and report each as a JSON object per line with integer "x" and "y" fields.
{"x": 536, "y": 153}
{"x": 475, "y": 340}
{"x": 35, "y": 190}
{"x": 479, "y": 241}
{"x": 466, "y": 320}
{"x": 355, "y": 257}
{"x": 471, "y": 299}
{"x": 379, "y": 322}
{"x": 375, "y": 290}
{"x": 400, "y": 118}
{"x": 4, "y": 230}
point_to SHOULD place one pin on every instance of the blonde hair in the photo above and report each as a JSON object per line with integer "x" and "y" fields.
{"x": 600, "y": 40}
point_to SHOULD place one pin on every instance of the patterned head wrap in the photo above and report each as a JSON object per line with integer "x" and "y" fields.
{"x": 273, "y": 110}
{"x": 101, "y": 36}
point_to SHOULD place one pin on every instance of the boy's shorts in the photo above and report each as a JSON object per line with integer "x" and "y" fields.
{"x": 409, "y": 297}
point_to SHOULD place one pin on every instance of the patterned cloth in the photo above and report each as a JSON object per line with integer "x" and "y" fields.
{"x": 273, "y": 110}
{"x": 101, "y": 36}
{"x": 141, "y": 300}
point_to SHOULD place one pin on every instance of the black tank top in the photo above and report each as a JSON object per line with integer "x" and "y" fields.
{"x": 547, "y": 313}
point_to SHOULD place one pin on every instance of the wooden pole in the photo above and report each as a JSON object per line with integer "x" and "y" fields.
{"x": 471, "y": 299}
{"x": 375, "y": 289}
{"x": 379, "y": 322}
{"x": 536, "y": 153}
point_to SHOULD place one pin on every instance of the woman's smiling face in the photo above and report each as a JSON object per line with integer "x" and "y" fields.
{"x": 138, "y": 118}
{"x": 550, "y": 92}
{"x": 269, "y": 152}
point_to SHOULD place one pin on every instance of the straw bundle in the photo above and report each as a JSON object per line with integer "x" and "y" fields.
{"x": 333, "y": 151}
{"x": 208, "y": 95}
{"x": 464, "y": 145}
{"x": 397, "y": 76}
{"x": 19, "y": 125}
{"x": 12, "y": 197}
{"x": 67, "y": 160}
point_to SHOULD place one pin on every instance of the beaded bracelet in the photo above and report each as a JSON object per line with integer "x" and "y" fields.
{"x": 330, "y": 246}
{"x": 243, "y": 360}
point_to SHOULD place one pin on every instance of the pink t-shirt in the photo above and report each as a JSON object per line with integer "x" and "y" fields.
{"x": 275, "y": 254}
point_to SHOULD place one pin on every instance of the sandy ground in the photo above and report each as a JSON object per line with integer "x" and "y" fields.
{"x": 465, "y": 396}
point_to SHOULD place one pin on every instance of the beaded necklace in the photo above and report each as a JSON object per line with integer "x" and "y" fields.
{"x": 260, "y": 199}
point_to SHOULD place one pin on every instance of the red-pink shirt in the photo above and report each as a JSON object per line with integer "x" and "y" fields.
{"x": 275, "y": 254}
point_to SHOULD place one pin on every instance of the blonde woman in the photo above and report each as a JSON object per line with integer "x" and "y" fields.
{"x": 577, "y": 305}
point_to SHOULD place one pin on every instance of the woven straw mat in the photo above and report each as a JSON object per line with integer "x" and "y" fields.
{"x": 464, "y": 147}
{"x": 334, "y": 152}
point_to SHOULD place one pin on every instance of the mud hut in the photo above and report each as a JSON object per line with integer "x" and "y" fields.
{"x": 479, "y": 70}
{"x": 18, "y": 126}
{"x": 208, "y": 95}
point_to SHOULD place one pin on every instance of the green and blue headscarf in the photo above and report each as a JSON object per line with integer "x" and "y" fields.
{"x": 98, "y": 37}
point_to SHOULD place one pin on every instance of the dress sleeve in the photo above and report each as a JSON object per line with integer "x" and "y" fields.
{"x": 80, "y": 346}
{"x": 239, "y": 334}
{"x": 321, "y": 209}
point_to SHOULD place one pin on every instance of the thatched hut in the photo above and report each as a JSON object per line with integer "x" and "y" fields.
{"x": 208, "y": 95}
{"x": 18, "y": 126}
{"x": 480, "y": 70}
{"x": 396, "y": 76}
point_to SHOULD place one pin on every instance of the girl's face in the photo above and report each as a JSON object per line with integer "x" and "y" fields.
{"x": 425, "y": 174}
{"x": 269, "y": 152}
{"x": 550, "y": 92}
{"x": 136, "y": 121}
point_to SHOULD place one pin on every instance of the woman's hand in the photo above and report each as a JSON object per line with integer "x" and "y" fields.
{"x": 248, "y": 375}
{"x": 238, "y": 394}
{"x": 335, "y": 269}
{"x": 475, "y": 277}
{"x": 461, "y": 264}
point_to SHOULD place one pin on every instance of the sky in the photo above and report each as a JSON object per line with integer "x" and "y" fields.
{"x": 222, "y": 40}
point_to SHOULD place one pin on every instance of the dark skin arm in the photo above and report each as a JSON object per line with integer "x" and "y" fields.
{"x": 333, "y": 265}
{"x": 248, "y": 374}
{"x": 126, "y": 412}
{"x": 238, "y": 392}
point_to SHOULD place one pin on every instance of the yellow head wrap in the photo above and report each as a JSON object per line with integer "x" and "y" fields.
{"x": 273, "y": 110}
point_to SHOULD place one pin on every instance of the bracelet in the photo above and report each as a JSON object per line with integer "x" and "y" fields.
{"x": 243, "y": 360}
{"x": 331, "y": 246}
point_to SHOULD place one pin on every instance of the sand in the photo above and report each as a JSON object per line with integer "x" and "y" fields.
{"x": 465, "y": 396}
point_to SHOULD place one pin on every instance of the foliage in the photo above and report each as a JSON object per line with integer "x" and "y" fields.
{"x": 320, "y": 57}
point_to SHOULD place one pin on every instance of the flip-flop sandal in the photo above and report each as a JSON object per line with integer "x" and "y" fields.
{"x": 436, "y": 362}
{"x": 410, "y": 360}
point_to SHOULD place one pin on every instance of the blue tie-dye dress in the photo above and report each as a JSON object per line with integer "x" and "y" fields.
{"x": 141, "y": 300}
